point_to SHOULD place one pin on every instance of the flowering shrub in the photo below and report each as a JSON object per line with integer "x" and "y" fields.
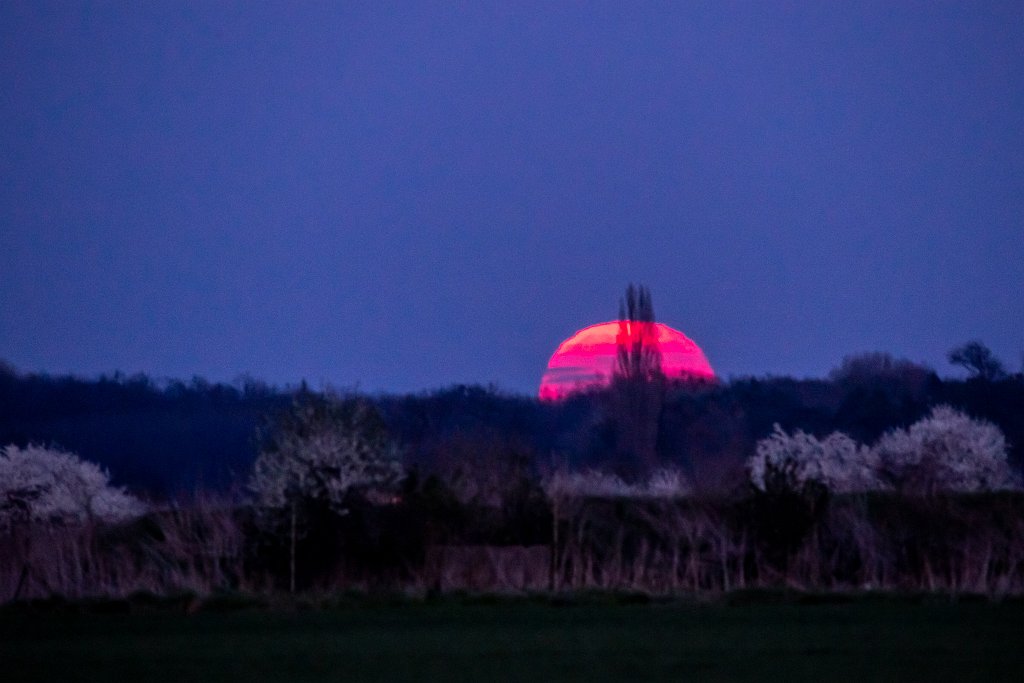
{"x": 320, "y": 453}
{"x": 48, "y": 485}
{"x": 663, "y": 483}
{"x": 790, "y": 462}
{"x": 947, "y": 451}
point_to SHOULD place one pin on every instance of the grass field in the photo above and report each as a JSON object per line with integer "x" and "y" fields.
{"x": 871, "y": 640}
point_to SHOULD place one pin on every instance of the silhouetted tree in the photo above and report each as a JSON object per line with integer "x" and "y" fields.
{"x": 876, "y": 367}
{"x": 878, "y": 392}
{"x": 978, "y": 360}
{"x": 638, "y": 384}
{"x": 638, "y": 353}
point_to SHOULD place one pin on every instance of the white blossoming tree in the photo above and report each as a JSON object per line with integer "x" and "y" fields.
{"x": 945, "y": 451}
{"x": 790, "y": 462}
{"x": 664, "y": 483}
{"x": 318, "y": 455}
{"x": 48, "y": 485}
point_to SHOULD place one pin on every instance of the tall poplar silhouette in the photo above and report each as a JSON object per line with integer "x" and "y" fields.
{"x": 638, "y": 384}
{"x": 638, "y": 353}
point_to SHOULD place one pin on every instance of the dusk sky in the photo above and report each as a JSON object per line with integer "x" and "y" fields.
{"x": 403, "y": 196}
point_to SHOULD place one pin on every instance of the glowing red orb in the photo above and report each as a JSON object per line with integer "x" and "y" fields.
{"x": 587, "y": 359}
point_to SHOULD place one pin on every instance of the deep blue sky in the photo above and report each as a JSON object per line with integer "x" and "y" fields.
{"x": 410, "y": 195}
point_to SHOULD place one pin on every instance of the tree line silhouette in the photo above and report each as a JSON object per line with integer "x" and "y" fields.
{"x": 174, "y": 438}
{"x": 644, "y": 485}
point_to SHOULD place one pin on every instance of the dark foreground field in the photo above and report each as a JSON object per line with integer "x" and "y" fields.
{"x": 873, "y": 640}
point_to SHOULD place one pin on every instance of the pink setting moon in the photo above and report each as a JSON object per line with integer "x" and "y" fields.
{"x": 587, "y": 359}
